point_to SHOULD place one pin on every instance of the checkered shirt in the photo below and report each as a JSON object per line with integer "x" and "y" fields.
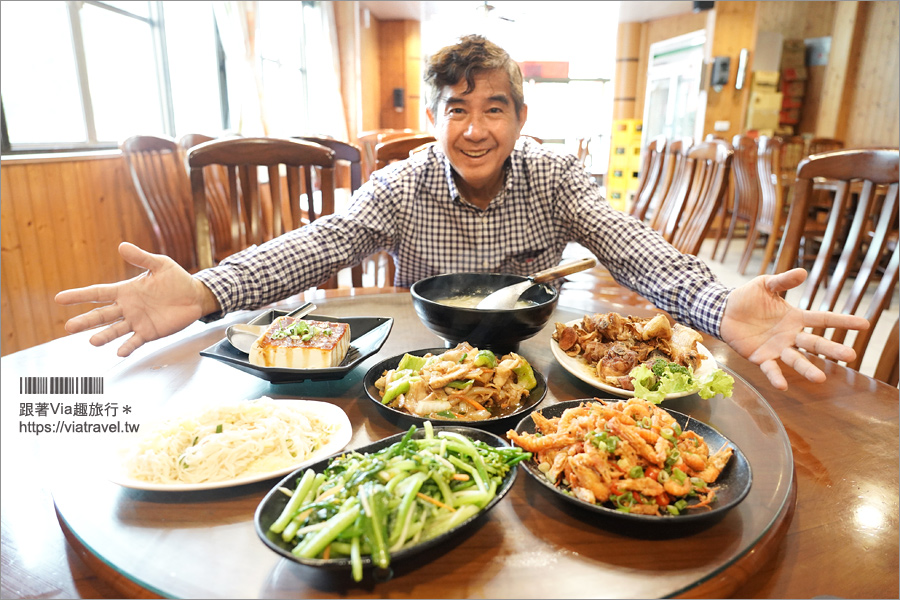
{"x": 413, "y": 210}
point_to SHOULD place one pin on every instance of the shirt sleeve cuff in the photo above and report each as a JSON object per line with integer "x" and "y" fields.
{"x": 709, "y": 306}
{"x": 222, "y": 284}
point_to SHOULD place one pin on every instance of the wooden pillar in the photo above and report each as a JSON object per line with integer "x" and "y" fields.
{"x": 628, "y": 51}
{"x": 840, "y": 76}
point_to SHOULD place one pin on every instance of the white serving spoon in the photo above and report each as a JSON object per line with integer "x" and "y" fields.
{"x": 506, "y": 298}
{"x": 242, "y": 335}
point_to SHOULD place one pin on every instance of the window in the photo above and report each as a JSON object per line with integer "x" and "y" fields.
{"x": 87, "y": 75}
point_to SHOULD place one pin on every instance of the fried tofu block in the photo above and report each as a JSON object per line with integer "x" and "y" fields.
{"x": 301, "y": 344}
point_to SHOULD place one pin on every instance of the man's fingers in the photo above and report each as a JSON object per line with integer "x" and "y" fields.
{"x": 773, "y": 372}
{"x": 94, "y": 318}
{"x": 786, "y": 281}
{"x": 819, "y": 345}
{"x": 130, "y": 345}
{"x": 114, "y": 331}
{"x": 140, "y": 258}
{"x": 798, "y": 362}
{"x": 818, "y": 318}
{"x": 92, "y": 293}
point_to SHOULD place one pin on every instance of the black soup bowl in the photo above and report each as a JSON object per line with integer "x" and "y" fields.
{"x": 496, "y": 330}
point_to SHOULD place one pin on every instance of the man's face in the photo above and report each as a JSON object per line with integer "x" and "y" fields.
{"x": 477, "y": 131}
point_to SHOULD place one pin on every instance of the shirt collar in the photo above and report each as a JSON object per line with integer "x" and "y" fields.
{"x": 511, "y": 167}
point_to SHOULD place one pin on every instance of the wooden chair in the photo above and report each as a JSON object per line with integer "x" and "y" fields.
{"x": 216, "y": 179}
{"x": 874, "y": 208}
{"x": 793, "y": 150}
{"x": 677, "y": 185}
{"x": 746, "y": 198}
{"x": 820, "y": 145}
{"x": 708, "y": 166}
{"x": 651, "y": 176}
{"x": 160, "y": 180}
{"x": 367, "y": 141}
{"x": 888, "y": 367}
{"x": 350, "y": 155}
{"x": 399, "y": 148}
{"x": 771, "y": 203}
{"x": 533, "y": 137}
{"x": 260, "y": 212}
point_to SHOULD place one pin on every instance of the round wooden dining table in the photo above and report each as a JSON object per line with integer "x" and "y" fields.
{"x": 821, "y": 517}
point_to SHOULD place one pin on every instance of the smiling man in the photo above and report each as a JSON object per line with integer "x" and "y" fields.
{"x": 481, "y": 199}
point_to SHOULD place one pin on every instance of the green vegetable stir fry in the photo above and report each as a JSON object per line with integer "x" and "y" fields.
{"x": 400, "y": 496}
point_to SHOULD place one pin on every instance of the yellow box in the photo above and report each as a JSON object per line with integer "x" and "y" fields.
{"x": 763, "y": 81}
{"x": 765, "y": 101}
{"x": 626, "y": 127}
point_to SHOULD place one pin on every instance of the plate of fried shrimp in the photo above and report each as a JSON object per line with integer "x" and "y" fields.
{"x": 633, "y": 461}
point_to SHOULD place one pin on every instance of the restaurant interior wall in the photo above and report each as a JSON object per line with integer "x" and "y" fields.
{"x": 64, "y": 216}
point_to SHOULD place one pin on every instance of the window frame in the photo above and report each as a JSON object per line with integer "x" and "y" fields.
{"x": 156, "y": 22}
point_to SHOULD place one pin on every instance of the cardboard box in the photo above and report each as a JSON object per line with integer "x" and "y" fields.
{"x": 791, "y": 102}
{"x": 790, "y": 116}
{"x": 762, "y": 119}
{"x": 764, "y": 81}
{"x": 796, "y": 88}
{"x": 765, "y": 100}
{"x": 794, "y": 74}
{"x": 793, "y": 54}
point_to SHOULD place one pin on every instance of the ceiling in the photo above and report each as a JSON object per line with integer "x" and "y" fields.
{"x": 630, "y": 11}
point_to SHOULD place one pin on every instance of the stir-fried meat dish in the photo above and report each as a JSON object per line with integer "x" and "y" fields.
{"x": 614, "y": 344}
{"x": 462, "y": 383}
{"x": 630, "y": 455}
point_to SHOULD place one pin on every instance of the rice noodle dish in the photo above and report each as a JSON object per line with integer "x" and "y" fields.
{"x": 228, "y": 441}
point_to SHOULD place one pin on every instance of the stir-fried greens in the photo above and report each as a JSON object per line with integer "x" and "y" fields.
{"x": 462, "y": 383}
{"x": 402, "y": 495}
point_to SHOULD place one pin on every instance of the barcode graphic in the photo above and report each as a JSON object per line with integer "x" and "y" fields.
{"x": 60, "y": 385}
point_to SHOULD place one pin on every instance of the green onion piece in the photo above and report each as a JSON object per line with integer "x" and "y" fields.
{"x": 461, "y": 384}
{"x": 636, "y": 472}
{"x": 673, "y": 510}
{"x": 485, "y": 358}
{"x": 219, "y": 428}
{"x": 678, "y": 475}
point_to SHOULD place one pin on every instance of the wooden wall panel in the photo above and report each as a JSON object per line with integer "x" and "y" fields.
{"x": 734, "y": 30}
{"x": 63, "y": 219}
{"x": 400, "y": 67}
{"x": 796, "y": 20}
{"x": 875, "y": 100}
{"x": 628, "y": 53}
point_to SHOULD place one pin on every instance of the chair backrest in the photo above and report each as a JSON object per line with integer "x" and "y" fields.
{"x": 533, "y": 137}
{"x": 651, "y": 176}
{"x": 345, "y": 152}
{"x": 271, "y": 208}
{"x": 216, "y": 179}
{"x": 746, "y": 179}
{"x": 679, "y": 184}
{"x": 399, "y": 148}
{"x": 819, "y": 145}
{"x": 377, "y": 263}
{"x": 367, "y": 141}
{"x": 771, "y": 193}
{"x": 888, "y": 367}
{"x": 160, "y": 180}
{"x": 863, "y": 213}
{"x": 708, "y": 166}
